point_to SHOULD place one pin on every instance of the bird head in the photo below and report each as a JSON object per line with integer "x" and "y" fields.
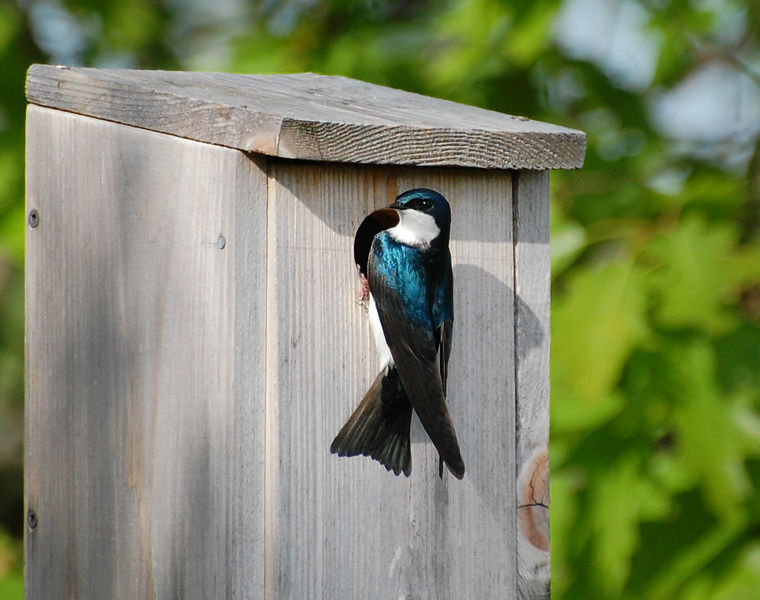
{"x": 424, "y": 218}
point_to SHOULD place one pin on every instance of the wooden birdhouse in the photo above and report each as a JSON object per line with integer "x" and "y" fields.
{"x": 194, "y": 341}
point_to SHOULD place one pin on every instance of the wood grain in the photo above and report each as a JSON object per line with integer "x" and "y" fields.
{"x": 182, "y": 397}
{"x": 345, "y": 525}
{"x": 532, "y": 281}
{"x": 145, "y": 373}
{"x": 307, "y": 116}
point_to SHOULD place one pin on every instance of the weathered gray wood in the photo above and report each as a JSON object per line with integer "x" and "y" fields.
{"x": 532, "y": 285}
{"x": 346, "y": 526}
{"x": 182, "y": 394}
{"x": 145, "y": 382}
{"x": 310, "y": 117}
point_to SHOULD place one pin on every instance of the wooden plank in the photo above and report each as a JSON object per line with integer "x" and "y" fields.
{"x": 310, "y": 117}
{"x": 144, "y": 428}
{"x": 532, "y": 284}
{"x": 345, "y": 526}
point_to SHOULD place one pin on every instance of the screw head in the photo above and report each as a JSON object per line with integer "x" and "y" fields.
{"x": 221, "y": 242}
{"x": 34, "y": 218}
{"x": 31, "y": 519}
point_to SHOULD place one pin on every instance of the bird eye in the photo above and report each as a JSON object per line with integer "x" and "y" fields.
{"x": 425, "y": 204}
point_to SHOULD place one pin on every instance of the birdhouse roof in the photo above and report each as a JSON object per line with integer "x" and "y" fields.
{"x": 308, "y": 117}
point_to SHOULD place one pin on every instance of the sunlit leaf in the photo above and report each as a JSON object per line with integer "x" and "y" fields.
{"x": 131, "y": 23}
{"x": 532, "y": 34}
{"x": 470, "y": 36}
{"x": 699, "y": 271}
{"x": 11, "y": 571}
{"x": 563, "y": 517}
{"x": 568, "y": 239}
{"x": 595, "y": 326}
{"x": 734, "y": 584}
{"x": 713, "y": 436}
{"x": 619, "y": 501}
{"x": 570, "y": 413}
{"x": 12, "y": 235}
{"x": 9, "y": 25}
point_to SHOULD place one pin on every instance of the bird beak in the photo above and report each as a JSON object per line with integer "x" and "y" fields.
{"x": 397, "y": 206}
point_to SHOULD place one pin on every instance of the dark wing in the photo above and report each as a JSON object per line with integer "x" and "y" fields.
{"x": 444, "y": 350}
{"x": 414, "y": 351}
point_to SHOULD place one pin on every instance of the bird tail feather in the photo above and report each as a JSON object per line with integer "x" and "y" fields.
{"x": 379, "y": 427}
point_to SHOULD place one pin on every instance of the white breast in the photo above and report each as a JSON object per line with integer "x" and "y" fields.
{"x": 386, "y": 360}
{"x": 415, "y": 228}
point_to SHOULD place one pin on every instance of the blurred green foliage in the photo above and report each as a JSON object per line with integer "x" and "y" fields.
{"x": 656, "y": 256}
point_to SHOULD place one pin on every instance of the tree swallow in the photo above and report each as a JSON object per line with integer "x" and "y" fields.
{"x": 402, "y": 253}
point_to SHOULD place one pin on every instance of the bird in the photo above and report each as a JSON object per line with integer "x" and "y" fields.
{"x": 404, "y": 263}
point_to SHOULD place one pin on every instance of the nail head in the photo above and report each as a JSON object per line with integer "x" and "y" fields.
{"x": 31, "y": 519}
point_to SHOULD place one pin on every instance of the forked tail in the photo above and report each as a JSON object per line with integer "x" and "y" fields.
{"x": 379, "y": 427}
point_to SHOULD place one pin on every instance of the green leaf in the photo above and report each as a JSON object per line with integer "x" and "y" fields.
{"x": 532, "y": 34}
{"x": 619, "y": 500}
{"x": 12, "y": 227}
{"x": 595, "y": 326}
{"x": 131, "y": 24}
{"x": 744, "y": 575}
{"x": 714, "y": 435}
{"x": 568, "y": 238}
{"x": 12, "y": 586}
{"x": 699, "y": 270}
{"x": 563, "y": 517}
{"x": 470, "y": 36}
{"x": 680, "y": 548}
{"x": 738, "y": 355}
{"x": 9, "y": 25}
{"x": 569, "y": 414}
{"x": 11, "y": 570}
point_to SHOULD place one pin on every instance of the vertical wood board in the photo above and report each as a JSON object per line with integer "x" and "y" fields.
{"x": 141, "y": 446}
{"x": 532, "y": 304}
{"x": 346, "y": 526}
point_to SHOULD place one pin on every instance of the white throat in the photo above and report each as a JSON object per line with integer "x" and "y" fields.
{"x": 414, "y": 228}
